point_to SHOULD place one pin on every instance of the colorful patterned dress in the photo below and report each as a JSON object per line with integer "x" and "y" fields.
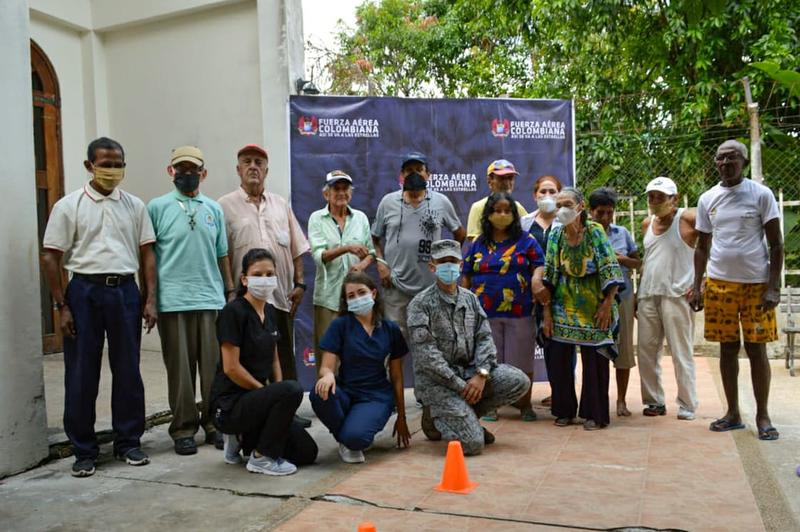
{"x": 501, "y": 274}
{"x": 578, "y": 277}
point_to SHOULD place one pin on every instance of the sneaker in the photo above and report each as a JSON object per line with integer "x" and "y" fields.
{"x": 185, "y": 446}
{"x": 528, "y": 414}
{"x": 685, "y": 415}
{"x": 428, "y": 428}
{"x": 490, "y": 416}
{"x": 231, "y": 447}
{"x": 134, "y": 457}
{"x": 418, "y": 403}
{"x": 267, "y": 466}
{"x": 349, "y": 456}
{"x": 214, "y": 437}
{"x": 83, "y": 467}
{"x": 655, "y": 410}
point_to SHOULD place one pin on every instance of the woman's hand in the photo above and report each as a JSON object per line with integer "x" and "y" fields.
{"x": 547, "y": 323}
{"x": 402, "y": 432}
{"x": 602, "y": 318}
{"x": 540, "y": 293}
{"x": 325, "y": 385}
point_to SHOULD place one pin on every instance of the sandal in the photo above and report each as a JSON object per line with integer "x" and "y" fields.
{"x": 768, "y": 434}
{"x": 724, "y": 425}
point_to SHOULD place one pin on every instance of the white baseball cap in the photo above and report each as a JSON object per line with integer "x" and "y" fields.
{"x": 336, "y": 176}
{"x": 663, "y": 184}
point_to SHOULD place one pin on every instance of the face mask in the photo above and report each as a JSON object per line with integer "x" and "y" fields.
{"x": 361, "y": 305}
{"x": 187, "y": 182}
{"x": 108, "y": 178}
{"x": 501, "y": 221}
{"x": 566, "y": 216}
{"x": 547, "y": 204}
{"x": 662, "y": 209}
{"x": 261, "y": 287}
{"x": 448, "y": 272}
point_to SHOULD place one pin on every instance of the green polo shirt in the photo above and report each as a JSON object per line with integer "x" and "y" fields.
{"x": 190, "y": 237}
{"x": 323, "y": 234}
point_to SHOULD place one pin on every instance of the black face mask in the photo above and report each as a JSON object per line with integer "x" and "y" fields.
{"x": 187, "y": 182}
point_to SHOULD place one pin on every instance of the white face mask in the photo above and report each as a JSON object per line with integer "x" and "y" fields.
{"x": 546, "y": 204}
{"x": 261, "y": 287}
{"x": 566, "y": 215}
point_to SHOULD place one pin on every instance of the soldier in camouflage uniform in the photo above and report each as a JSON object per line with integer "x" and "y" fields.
{"x": 456, "y": 375}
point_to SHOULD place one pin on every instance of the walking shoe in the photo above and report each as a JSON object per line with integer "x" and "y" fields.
{"x": 185, "y": 446}
{"x": 490, "y": 416}
{"x": 83, "y": 467}
{"x": 302, "y": 421}
{"x": 134, "y": 457}
{"x": 349, "y": 456}
{"x": 488, "y": 437}
{"x": 231, "y": 447}
{"x": 685, "y": 415}
{"x": 267, "y": 466}
{"x": 214, "y": 437}
{"x": 562, "y": 422}
{"x": 528, "y": 414}
{"x": 591, "y": 424}
{"x": 655, "y": 410}
{"x": 428, "y": 428}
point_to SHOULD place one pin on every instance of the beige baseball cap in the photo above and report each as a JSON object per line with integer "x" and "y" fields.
{"x": 191, "y": 154}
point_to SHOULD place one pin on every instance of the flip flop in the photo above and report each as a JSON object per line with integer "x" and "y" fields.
{"x": 723, "y": 425}
{"x": 768, "y": 433}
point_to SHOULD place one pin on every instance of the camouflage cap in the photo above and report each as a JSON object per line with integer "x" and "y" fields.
{"x": 445, "y": 248}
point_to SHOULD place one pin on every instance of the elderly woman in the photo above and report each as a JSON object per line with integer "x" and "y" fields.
{"x": 499, "y": 268}
{"x": 340, "y": 243}
{"x": 583, "y": 276}
{"x": 602, "y": 203}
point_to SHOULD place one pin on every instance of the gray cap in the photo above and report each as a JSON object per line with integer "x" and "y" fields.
{"x": 733, "y": 145}
{"x": 445, "y": 248}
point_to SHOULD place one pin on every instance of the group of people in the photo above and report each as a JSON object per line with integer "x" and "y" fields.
{"x": 222, "y": 282}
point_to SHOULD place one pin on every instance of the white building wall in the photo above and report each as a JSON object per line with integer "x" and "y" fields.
{"x": 192, "y": 79}
{"x": 62, "y": 45}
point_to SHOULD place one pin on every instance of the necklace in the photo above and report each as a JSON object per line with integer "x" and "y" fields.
{"x": 191, "y": 215}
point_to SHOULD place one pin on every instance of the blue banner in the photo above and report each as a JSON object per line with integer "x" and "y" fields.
{"x": 367, "y": 138}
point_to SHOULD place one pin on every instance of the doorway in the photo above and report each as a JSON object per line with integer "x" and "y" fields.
{"x": 49, "y": 175}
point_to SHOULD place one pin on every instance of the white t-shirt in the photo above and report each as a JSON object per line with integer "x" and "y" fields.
{"x": 735, "y": 216}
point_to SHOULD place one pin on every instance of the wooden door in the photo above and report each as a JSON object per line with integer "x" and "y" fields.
{"x": 49, "y": 174}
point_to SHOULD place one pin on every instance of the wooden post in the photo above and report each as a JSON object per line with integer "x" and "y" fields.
{"x": 755, "y": 134}
{"x": 781, "y": 207}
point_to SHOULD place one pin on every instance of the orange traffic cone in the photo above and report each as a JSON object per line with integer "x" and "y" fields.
{"x": 455, "y": 478}
{"x": 366, "y": 526}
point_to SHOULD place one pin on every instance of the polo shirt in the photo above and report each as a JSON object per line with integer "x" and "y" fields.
{"x": 476, "y": 212}
{"x": 324, "y": 234}
{"x": 97, "y": 233}
{"x": 270, "y": 224}
{"x": 190, "y": 238}
{"x": 363, "y": 358}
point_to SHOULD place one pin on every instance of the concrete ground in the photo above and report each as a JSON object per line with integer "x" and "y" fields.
{"x": 657, "y": 473}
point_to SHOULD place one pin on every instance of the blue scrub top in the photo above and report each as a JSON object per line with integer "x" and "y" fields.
{"x": 364, "y": 358}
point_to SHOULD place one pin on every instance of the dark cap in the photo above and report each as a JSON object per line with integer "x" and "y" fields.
{"x": 414, "y": 156}
{"x": 414, "y": 181}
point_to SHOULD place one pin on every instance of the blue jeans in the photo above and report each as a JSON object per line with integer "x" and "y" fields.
{"x": 103, "y": 312}
{"x": 353, "y": 420}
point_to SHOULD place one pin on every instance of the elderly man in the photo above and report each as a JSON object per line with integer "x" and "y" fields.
{"x": 456, "y": 374}
{"x": 743, "y": 280}
{"x": 408, "y": 221}
{"x": 340, "y": 243}
{"x": 192, "y": 257}
{"x": 103, "y": 236}
{"x": 256, "y": 218}
{"x": 665, "y": 287}
{"x": 500, "y": 176}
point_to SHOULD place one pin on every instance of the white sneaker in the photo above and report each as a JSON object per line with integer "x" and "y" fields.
{"x": 684, "y": 414}
{"x": 231, "y": 449}
{"x": 350, "y": 456}
{"x": 267, "y": 466}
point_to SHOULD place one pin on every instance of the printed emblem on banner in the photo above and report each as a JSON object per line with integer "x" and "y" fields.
{"x": 308, "y": 125}
{"x": 500, "y": 128}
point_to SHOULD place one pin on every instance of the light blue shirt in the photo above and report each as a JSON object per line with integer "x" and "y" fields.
{"x": 623, "y": 243}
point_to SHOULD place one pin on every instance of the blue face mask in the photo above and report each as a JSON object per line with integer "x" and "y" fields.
{"x": 361, "y": 305}
{"x": 448, "y": 272}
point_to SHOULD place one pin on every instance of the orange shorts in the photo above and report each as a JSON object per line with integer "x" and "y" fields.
{"x": 728, "y": 304}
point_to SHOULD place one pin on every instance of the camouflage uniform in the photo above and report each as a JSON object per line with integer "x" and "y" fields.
{"x": 450, "y": 339}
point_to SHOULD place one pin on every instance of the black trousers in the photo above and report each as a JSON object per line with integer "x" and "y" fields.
{"x": 286, "y": 345}
{"x": 263, "y": 419}
{"x": 594, "y": 383}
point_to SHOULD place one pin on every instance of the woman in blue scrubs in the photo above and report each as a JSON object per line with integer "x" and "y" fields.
{"x": 353, "y": 397}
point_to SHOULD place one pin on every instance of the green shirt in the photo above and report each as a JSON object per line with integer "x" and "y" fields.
{"x": 324, "y": 234}
{"x": 190, "y": 237}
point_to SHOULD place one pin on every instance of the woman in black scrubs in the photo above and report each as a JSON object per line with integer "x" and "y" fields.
{"x": 243, "y": 403}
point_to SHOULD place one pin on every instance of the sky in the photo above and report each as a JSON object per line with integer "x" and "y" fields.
{"x": 319, "y": 23}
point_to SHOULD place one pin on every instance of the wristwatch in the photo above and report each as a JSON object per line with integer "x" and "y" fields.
{"x": 483, "y": 372}
{"x": 300, "y": 285}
